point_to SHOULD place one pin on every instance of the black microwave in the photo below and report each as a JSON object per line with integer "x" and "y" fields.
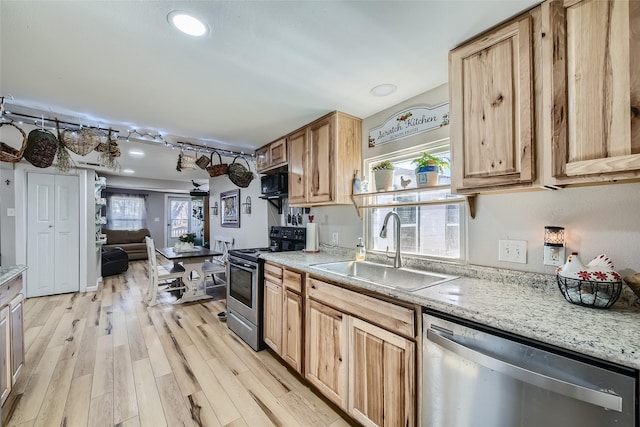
{"x": 275, "y": 184}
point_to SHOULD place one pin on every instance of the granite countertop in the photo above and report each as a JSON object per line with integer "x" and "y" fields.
{"x": 526, "y": 304}
{"x": 9, "y": 272}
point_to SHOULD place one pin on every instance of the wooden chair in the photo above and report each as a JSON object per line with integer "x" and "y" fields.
{"x": 160, "y": 276}
{"x": 218, "y": 265}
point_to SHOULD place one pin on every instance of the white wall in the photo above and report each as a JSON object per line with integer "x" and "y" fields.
{"x": 7, "y": 223}
{"x": 597, "y": 219}
{"x": 254, "y": 228}
{"x": 433, "y": 97}
{"x": 343, "y": 220}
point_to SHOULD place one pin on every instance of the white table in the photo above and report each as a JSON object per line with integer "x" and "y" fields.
{"x": 192, "y": 262}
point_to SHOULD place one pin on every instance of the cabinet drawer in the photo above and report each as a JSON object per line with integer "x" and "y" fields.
{"x": 274, "y": 272}
{"x": 293, "y": 281}
{"x": 390, "y": 316}
{"x": 9, "y": 290}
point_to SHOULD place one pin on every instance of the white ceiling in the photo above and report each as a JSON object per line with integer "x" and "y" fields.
{"x": 267, "y": 67}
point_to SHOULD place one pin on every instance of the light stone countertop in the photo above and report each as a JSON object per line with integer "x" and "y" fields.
{"x": 9, "y": 272}
{"x": 525, "y": 304}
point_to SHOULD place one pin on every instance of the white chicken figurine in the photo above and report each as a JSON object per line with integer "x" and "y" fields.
{"x": 599, "y": 269}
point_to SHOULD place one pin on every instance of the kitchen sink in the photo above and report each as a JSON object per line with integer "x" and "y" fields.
{"x": 384, "y": 275}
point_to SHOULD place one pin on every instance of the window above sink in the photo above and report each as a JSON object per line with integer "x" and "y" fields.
{"x": 432, "y": 219}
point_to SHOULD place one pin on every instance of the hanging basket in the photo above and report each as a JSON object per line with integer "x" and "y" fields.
{"x": 7, "y": 152}
{"x": 111, "y": 148}
{"x": 41, "y": 148}
{"x": 219, "y": 169}
{"x": 188, "y": 162}
{"x": 82, "y": 141}
{"x": 240, "y": 175}
{"x": 64, "y": 163}
{"x": 109, "y": 151}
{"x": 203, "y": 161}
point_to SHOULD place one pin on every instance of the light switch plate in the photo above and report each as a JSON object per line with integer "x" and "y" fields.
{"x": 512, "y": 251}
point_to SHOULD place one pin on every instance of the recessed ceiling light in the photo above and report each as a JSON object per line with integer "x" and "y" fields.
{"x": 136, "y": 153}
{"x": 128, "y": 171}
{"x": 187, "y": 23}
{"x": 383, "y": 89}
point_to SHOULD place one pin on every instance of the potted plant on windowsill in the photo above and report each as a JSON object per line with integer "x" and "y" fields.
{"x": 383, "y": 175}
{"x": 428, "y": 167}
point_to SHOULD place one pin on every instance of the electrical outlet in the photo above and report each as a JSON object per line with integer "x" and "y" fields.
{"x": 334, "y": 238}
{"x": 512, "y": 251}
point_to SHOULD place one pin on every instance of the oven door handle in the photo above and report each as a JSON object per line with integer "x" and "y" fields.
{"x": 575, "y": 391}
{"x": 243, "y": 266}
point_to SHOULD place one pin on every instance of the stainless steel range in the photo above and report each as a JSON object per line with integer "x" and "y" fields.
{"x": 245, "y": 272}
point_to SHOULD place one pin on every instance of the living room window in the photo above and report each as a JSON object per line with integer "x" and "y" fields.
{"x": 126, "y": 211}
{"x": 429, "y": 231}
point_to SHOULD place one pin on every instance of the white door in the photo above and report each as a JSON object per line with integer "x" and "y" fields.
{"x": 178, "y": 214}
{"x": 53, "y": 247}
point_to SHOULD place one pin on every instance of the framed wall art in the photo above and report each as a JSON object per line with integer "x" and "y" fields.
{"x": 229, "y": 202}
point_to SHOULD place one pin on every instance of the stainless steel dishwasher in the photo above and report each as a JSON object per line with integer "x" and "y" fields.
{"x": 474, "y": 376}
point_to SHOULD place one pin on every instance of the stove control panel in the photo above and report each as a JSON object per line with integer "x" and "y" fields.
{"x": 287, "y": 238}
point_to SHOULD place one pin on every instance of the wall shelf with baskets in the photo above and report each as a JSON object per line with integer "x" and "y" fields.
{"x": 436, "y": 195}
{"x": 100, "y": 183}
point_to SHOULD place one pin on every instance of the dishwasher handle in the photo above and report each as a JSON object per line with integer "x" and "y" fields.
{"x": 575, "y": 391}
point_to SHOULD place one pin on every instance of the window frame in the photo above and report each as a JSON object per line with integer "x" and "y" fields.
{"x": 122, "y": 197}
{"x": 435, "y": 147}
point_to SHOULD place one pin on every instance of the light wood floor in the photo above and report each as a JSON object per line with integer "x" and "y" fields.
{"x": 105, "y": 359}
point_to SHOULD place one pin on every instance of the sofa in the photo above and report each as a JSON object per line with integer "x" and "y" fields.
{"x": 132, "y": 241}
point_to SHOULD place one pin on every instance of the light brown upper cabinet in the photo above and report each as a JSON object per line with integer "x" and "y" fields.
{"x": 271, "y": 156}
{"x": 322, "y": 159}
{"x": 592, "y": 53}
{"x": 492, "y": 94}
{"x": 549, "y": 99}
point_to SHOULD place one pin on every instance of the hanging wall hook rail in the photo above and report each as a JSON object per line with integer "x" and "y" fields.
{"x": 131, "y": 134}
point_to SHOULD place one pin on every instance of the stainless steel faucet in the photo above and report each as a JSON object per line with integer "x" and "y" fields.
{"x": 397, "y": 260}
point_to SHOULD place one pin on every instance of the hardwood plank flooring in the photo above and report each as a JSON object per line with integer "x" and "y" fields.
{"x": 106, "y": 359}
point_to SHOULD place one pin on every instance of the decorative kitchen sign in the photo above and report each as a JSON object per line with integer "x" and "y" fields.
{"x": 409, "y": 122}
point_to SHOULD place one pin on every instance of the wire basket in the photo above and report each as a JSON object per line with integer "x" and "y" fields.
{"x": 217, "y": 169}
{"x": 41, "y": 148}
{"x": 240, "y": 175}
{"x": 7, "y": 152}
{"x": 589, "y": 293}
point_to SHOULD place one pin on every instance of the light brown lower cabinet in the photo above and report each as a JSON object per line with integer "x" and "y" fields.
{"x": 326, "y": 351}
{"x": 367, "y": 369}
{"x": 11, "y": 335}
{"x": 17, "y": 337}
{"x": 292, "y": 329}
{"x": 283, "y": 313}
{"x": 5, "y": 354}
{"x": 273, "y": 315}
{"x": 381, "y": 376}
